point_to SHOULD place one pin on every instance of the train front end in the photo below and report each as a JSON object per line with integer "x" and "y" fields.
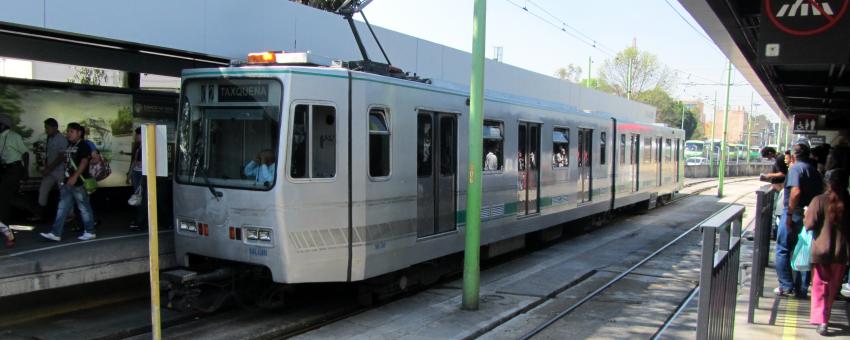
{"x": 226, "y": 190}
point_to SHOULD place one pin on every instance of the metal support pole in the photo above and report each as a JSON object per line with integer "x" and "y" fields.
{"x": 153, "y": 232}
{"x": 629, "y": 80}
{"x": 749, "y": 127}
{"x": 711, "y": 139}
{"x": 471, "y": 270}
{"x": 683, "y": 114}
{"x": 723, "y": 155}
{"x": 589, "y": 61}
{"x": 787, "y": 135}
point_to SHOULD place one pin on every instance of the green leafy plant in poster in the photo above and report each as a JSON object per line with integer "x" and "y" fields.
{"x": 10, "y": 105}
{"x": 123, "y": 125}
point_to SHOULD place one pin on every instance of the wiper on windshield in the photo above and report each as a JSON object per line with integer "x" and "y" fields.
{"x": 195, "y": 155}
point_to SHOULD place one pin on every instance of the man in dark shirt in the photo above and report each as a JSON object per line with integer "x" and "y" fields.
{"x": 779, "y": 170}
{"x": 77, "y": 157}
{"x": 803, "y": 183}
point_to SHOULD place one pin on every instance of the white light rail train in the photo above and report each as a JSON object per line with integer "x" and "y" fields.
{"x": 303, "y": 171}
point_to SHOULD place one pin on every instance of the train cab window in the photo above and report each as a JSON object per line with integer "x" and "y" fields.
{"x": 233, "y": 141}
{"x": 379, "y": 143}
{"x": 668, "y": 144}
{"x": 560, "y": 148}
{"x": 493, "y": 136}
{"x": 647, "y": 150}
{"x": 313, "y": 142}
{"x": 603, "y": 138}
{"x": 623, "y": 149}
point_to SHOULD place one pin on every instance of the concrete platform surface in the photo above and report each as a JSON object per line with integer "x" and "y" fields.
{"x": 517, "y": 295}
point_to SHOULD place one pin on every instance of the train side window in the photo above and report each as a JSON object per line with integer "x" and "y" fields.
{"x": 493, "y": 136}
{"x": 623, "y": 149}
{"x": 424, "y": 138}
{"x": 299, "y": 163}
{"x": 647, "y": 150}
{"x": 560, "y": 148}
{"x": 668, "y": 156}
{"x": 603, "y": 138}
{"x": 313, "y": 143}
{"x": 379, "y": 143}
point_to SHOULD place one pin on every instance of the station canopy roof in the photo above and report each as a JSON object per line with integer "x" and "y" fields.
{"x": 794, "y": 52}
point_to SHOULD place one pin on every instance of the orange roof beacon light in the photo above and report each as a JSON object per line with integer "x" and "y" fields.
{"x": 263, "y": 57}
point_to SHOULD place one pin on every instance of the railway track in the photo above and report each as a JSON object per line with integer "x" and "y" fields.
{"x": 343, "y": 310}
{"x": 622, "y": 275}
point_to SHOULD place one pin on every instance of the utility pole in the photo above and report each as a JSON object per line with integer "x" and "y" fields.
{"x": 589, "y": 61}
{"x": 787, "y": 135}
{"x": 471, "y": 259}
{"x": 629, "y": 80}
{"x": 723, "y": 156}
{"x": 711, "y": 139}
{"x": 749, "y": 127}
{"x": 683, "y": 114}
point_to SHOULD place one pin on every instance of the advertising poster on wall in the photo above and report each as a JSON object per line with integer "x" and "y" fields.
{"x": 107, "y": 117}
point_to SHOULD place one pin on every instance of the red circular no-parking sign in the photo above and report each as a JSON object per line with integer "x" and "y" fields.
{"x": 805, "y": 17}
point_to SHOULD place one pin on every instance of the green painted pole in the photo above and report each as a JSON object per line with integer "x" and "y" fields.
{"x": 749, "y": 127}
{"x": 711, "y": 139}
{"x": 723, "y": 155}
{"x": 471, "y": 258}
{"x": 629, "y": 80}
{"x": 787, "y": 136}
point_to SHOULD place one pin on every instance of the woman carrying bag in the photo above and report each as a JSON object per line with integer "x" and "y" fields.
{"x": 828, "y": 217}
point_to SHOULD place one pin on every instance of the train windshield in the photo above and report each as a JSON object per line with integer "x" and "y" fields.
{"x": 692, "y": 146}
{"x": 228, "y": 133}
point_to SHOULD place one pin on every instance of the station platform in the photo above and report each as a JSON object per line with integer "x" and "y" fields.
{"x": 36, "y": 264}
{"x": 519, "y": 295}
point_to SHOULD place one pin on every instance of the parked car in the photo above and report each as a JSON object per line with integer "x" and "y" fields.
{"x": 696, "y": 161}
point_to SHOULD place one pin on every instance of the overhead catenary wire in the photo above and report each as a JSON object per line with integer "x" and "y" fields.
{"x": 586, "y": 39}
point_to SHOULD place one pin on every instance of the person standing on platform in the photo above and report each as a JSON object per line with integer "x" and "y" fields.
{"x": 52, "y": 173}
{"x": 77, "y": 158}
{"x": 140, "y": 222}
{"x": 828, "y": 217}
{"x": 7, "y": 232}
{"x": 12, "y": 167}
{"x": 803, "y": 183}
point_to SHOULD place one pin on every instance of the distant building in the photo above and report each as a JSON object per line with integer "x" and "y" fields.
{"x": 736, "y": 128}
{"x": 696, "y": 106}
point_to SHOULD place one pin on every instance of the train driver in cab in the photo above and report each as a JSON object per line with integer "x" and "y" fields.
{"x": 262, "y": 168}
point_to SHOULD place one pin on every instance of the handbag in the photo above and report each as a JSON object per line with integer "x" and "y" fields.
{"x": 90, "y": 184}
{"x": 136, "y": 198}
{"x": 801, "y": 261}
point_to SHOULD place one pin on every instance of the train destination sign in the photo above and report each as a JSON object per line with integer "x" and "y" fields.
{"x": 243, "y": 93}
{"x": 804, "y": 31}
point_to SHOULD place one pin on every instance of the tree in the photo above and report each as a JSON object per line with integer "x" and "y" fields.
{"x": 571, "y": 72}
{"x": 89, "y": 76}
{"x": 647, "y": 73}
{"x": 327, "y": 5}
{"x": 670, "y": 111}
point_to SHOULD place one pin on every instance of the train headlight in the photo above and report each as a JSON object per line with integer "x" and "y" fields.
{"x": 265, "y": 235}
{"x": 252, "y": 234}
{"x": 190, "y": 226}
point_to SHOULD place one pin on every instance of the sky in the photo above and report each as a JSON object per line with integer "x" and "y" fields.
{"x": 531, "y": 43}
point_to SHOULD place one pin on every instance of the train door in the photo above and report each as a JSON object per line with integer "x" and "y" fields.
{"x": 659, "y": 152}
{"x": 678, "y": 160}
{"x": 528, "y": 176}
{"x": 436, "y": 171}
{"x": 635, "y": 161}
{"x": 585, "y": 165}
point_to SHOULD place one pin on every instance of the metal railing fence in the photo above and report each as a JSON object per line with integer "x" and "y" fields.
{"x": 721, "y": 256}
{"x": 761, "y": 246}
